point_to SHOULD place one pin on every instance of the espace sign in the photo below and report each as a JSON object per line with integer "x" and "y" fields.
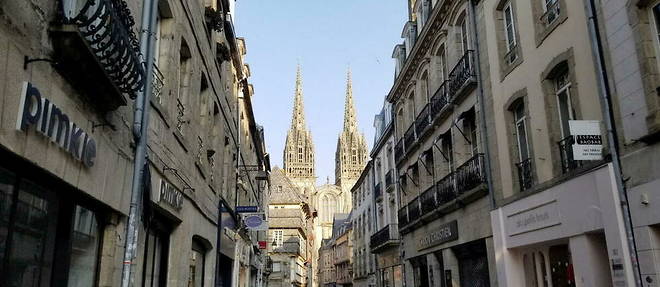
{"x": 50, "y": 121}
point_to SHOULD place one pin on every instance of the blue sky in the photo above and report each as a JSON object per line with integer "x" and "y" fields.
{"x": 325, "y": 37}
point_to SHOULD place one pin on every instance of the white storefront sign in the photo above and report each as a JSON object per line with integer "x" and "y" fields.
{"x": 588, "y": 141}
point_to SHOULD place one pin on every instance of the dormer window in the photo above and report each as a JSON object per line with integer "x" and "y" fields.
{"x": 409, "y": 34}
{"x": 399, "y": 56}
{"x": 423, "y": 13}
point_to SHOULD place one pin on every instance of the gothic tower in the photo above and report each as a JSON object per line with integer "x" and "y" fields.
{"x": 351, "y": 155}
{"x": 299, "y": 149}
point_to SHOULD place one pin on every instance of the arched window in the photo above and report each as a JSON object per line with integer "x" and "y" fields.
{"x": 197, "y": 261}
{"x": 424, "y": 88}
{"x": 328, "y": 204}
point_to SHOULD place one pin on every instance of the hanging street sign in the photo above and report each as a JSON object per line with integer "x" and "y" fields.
{"x": 587, "y": 140}
{"x": 255, "y": 221}
{"x": 246, "y": 209}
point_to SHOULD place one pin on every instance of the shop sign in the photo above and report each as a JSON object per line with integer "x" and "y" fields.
{"x": 588, "y": 142}
{"x": 50, "y": 121}
{"x": 170, "y": 195}
{"x": 445, "y": 233}
{"x": 255, "y": 221}
{"x": 262, "y": 245}
{"x": 541, "y": 216}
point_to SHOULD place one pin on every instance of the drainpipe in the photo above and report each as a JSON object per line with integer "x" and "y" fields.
{"x": 482, "y": 106}
{"x": 608, "y": 116}
{"x": 140, "y": 132}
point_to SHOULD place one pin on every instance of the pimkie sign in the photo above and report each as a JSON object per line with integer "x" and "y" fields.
{"x": 50, "y": 121}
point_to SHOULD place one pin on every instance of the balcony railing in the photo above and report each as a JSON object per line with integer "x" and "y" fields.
{"x": 470, "y": 174}
{"x": 389, "y": 179}
{"x": 525, "y": 174}
{"x": 387, "y": 235}
{"x": 552, "y": 12}
{"x": 398, "y": 150}
{"x": 423, "y": 120}
{"x": 568, "y": 162}
{"x": 403, "y": 216}
{"x": 378, "y": 190}
{"x": 107, "y": 28}
{"x": 428, "y": 200}
{"x": 439, "y": 100}
{"x": 446, "y": 189}
{"x": 409, "y": 137}
{"x": 462, "y": 73}
{"x": 413, "y": 210}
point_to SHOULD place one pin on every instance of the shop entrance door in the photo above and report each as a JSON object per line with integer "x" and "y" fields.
{"x": 473, "y": 264}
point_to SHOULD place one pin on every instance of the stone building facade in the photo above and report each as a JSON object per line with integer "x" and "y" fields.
{"x": 385, "y": 240}
{"x": 67, "y": 146}
{"x": 290, "y": 246}
{"x": 363, "y": 222}
{"x": 440, "y": 153}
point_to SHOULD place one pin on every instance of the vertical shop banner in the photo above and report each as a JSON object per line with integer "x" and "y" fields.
{"x": 587, "y": 140}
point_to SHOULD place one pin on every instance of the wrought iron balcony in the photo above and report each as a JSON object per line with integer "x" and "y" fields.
{"x": 389, "y": 179}
{"x": 398, "y": 150}
{"x": 387, "y": 236}
{"x": 525, "y": 174}
{"x": 428, "y": 200}
{"x": 470, "y": 174}
{"x": 409, "y": 137}
{"x": 568, "y": 162}
{"x": 94, "y": 44}
{"x": 462, "y": 74}
{"x": 446, "y": 189}
{"x": 402, "y": 216}
{"x": 439, "y": 100}
{"x": 378, "y": 190}
{"x": 423, "y": 120}
{"x": 552, "y": 12}
{"x": 413, "y": 210}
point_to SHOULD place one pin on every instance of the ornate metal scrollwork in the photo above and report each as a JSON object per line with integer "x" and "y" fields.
{"x": 106, "y": 26}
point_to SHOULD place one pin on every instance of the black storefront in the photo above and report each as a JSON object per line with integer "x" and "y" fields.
{"x": 50, "y": 233}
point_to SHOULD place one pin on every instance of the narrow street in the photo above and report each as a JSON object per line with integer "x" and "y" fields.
{"x": 417, "y": 143}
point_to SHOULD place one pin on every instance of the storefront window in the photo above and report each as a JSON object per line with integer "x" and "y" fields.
{"x": 196, "y": 274}
{"x": 7, "y": 180}
{"x": 29, "y": 243}
{"x": 84, "y": 248}
{"x": 155, "y": 256}
{"x": 555, "y": 260}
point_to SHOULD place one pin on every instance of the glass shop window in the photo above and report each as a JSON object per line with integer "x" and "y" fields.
{"x": 30, "y": 218}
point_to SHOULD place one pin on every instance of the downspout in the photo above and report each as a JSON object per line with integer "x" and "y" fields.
{"x": 140, "y": 132}
{"x": 608, "y": 116}
{"x": 482, "y": 105}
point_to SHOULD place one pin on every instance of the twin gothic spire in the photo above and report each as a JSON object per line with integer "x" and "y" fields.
{"x": 299, "y": 148}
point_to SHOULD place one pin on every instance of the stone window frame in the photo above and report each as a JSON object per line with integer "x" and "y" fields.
{"x": 563, "y": 62}
{"x": 424, "y": 70}
{"x": 542, "y": 31}
{"x": 645, "y": 32}
{"x": 506, "y": 67}
{"x": 519, "y": 97}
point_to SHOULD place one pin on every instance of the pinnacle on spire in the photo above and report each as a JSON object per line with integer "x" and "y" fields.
{"x": 298, "y": 118}
{"x": 350, "y": 120}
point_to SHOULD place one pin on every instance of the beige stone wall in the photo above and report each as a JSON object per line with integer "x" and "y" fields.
{"x": 541, "y": 49}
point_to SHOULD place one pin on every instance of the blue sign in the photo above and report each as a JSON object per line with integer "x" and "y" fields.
{"x": 246, "y": 209}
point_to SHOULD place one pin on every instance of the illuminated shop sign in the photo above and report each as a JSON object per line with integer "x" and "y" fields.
{"x": 50, "y": 121}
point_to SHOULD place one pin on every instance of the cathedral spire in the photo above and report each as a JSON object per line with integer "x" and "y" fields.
{"x": 298, "y": 119}
{"x": 299, "y": 148}
{"x": 350, "y": 121}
